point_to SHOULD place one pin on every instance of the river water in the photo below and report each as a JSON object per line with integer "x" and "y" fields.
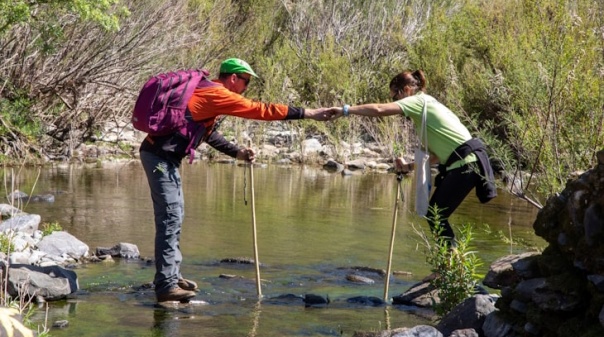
{"x": 312, "y": 227}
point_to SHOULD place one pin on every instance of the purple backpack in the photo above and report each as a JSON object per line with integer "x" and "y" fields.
{"x": 161, "y": 106}
{"x": 162, "y": 102}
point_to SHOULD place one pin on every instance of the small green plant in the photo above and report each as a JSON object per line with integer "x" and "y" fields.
{"x": 48, "y": 228}
{"x": 6, "y": 245}
{"x": 454, "y": 267}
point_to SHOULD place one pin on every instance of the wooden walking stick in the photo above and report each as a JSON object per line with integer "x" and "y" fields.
{"x": 399, "y": 178}
{"x": 254, "y": 235}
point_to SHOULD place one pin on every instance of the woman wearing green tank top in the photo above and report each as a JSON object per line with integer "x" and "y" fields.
{"x": 462, "y": 160}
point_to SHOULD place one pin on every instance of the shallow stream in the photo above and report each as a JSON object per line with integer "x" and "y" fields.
{"x": 313, "y": 227}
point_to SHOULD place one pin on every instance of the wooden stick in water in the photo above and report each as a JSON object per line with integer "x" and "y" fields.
{"x": 392, "y": 234}
{"x": 254, "y": 233}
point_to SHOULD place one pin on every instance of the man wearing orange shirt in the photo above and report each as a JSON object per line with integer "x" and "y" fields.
{"x": 161, "y": 157}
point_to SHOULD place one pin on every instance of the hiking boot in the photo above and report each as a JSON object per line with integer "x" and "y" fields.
{"x": 185, "y": 284}
{"x": 176, "y": 294}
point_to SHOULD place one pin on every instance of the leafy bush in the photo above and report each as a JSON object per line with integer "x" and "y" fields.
{"x": 454, "y": 267}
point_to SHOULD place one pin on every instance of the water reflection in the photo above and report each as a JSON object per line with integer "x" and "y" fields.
{"x": 309, "y": 224}
{"x": 164, "y": 324}
{"x": 255, "y": 319}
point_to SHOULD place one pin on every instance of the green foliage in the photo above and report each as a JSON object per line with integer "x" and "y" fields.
{"x": 454, "y": 268}
{"x": 525, "y": 76}
{"x": 49, "y": 228}
{"x": 15, "y": 112}
{"x": 104, "y": 12}
{"x": 6, "y": 244}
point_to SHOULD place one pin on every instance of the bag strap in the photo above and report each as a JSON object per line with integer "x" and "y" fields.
{"x": 423, "y": 135}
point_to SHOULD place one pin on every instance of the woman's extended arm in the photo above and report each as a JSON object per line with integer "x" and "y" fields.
{"x": 370, "y": 110}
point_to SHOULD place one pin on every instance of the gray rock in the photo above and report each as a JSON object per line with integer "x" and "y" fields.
{"x": 63, "y": 244}
{"x": 597, "y": 281}
{"x": 594, "y": 224}
{"x": 8, "y": 211}
{"x": 359, "y": 279}
{"x": 421, "y": 294}
{"x": 509, "y": 270}
{"x": 17, "y": 195}
{"x": 495, "y": 326}
{"x": 464, "y": 333}
{"x": 311, "y": 146}
{"x": 333, "y": 166}
{"x": 366, "y": 300}
{"x": 358, "y": 164}
{"x": 470, "y": 314}
{"x": 19, "y": 257}
{"x": 419, "y": 331}
{"x": 51, "y": 283}
{"x": 27, "y": 223}
{"x": 122, "y": 249}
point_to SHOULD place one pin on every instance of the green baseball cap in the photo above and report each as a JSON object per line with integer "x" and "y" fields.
{"x": 236, "y": 66}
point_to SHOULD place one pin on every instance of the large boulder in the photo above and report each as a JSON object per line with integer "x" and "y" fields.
{"x": 41, "y": 283}
{"x": 559, "y": 292}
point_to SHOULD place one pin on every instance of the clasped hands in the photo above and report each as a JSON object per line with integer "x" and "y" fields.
{"x": 323, "y": 114}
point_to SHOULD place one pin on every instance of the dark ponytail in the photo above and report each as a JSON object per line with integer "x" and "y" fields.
{"x": 415, "y": 80}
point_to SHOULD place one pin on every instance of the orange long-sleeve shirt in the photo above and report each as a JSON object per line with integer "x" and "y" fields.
{"x": 209, "y": 102}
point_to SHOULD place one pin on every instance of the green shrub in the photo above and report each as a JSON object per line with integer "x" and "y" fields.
{"x": 48, "y": 228}
{"x": 454, "y": 268}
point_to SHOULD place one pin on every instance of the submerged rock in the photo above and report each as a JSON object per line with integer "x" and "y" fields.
{"x": 312, "y": 300}
{"x": 366, "y": 300}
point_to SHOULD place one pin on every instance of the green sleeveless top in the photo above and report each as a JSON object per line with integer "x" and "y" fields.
{"x": 445, "y": 130}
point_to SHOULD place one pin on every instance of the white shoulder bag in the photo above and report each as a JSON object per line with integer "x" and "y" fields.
{"x": 423, "y": 178}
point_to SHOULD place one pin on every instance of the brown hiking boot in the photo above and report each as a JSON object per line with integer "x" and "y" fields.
{"x": 185, "y": 284}
{"x": 176, "y": 294}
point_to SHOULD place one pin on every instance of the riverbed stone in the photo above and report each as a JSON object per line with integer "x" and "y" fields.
{"x": 464, "y": 333}
{"x": 63, "y": 244}
{"x": 51, "y": 283}
{"x": 511, "y": 269}
{"x": 470, "y": 314}
{"x": 366, "y": 300}
{"x": 311, "y": 145}
{"x": 422, "y": 294}
{"x": 357, "y": 164}
{"x": 19, "y": 257}
{"x": 359, "y": 279}
{"x": 26, "y": 223}
{"x": 333, "y": 166}
{"x": 123, "y": 249}
{"x": 496, "y": 326}
{"x": 8, "y": 211}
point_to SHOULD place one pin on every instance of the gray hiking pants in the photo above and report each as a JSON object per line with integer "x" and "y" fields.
{"x": 168, "y": 207}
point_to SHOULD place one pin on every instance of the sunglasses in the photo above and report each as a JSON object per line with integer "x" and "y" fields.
{"x": 246, "y": 80}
